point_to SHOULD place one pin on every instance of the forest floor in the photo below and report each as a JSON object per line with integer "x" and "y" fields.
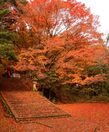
{"x": 85, "y": 117}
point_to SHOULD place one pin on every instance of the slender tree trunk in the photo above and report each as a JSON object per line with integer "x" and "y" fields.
{"x": 26, "y": 77}
{"x": 43, "y": 91}
{"x": 50, "y": 94}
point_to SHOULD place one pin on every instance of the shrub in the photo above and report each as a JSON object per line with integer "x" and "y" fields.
{"x": 100, "y": 98}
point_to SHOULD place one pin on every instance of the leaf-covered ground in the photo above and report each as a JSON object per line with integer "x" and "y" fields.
{"x": 86, "y": 117}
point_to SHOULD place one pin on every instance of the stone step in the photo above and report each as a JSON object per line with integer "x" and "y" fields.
{"x": 30, "y": 105}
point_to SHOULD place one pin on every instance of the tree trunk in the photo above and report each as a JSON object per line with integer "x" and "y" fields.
{"x": 50, "y": 94}
{"x": 43, "y": 91}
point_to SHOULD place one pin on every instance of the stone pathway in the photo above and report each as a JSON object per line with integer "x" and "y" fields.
{"x": 26, "y": 105}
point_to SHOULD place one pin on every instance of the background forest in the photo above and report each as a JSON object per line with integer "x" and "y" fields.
{"x": 58, "y": 43}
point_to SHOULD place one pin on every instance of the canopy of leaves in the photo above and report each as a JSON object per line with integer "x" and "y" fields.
{"x": 67, "y": 40}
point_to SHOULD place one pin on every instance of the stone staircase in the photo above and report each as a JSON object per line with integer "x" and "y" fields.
{"x": 28, "y": 105}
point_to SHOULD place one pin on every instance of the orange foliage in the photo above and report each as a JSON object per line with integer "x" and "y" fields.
{"x": 31, "y": 60}
{"x": 46, "y": 19}
{"x": 72, "y": 65}
{"x": 67, "y": 32}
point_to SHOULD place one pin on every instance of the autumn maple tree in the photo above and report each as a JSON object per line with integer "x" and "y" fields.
{"x": 46, "y": 19}
{"x": 62, "y": 36}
